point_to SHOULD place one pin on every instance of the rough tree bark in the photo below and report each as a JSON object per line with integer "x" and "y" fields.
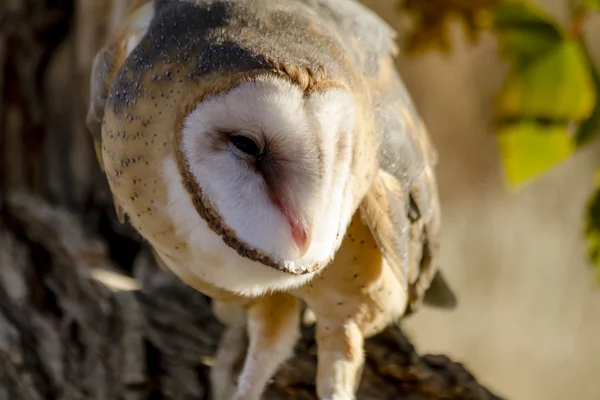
{"x": 63, "y": 333}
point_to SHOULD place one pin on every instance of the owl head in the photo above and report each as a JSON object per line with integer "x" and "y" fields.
{"x": 272, "y": 166}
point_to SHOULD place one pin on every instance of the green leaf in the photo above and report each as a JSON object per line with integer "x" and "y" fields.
{"x": 525, "y": 32}
{"x": 591, "y": 4}
{"x": 550, "y": 77}
{"x": 549, "y": 90}
{"x": 528, "y": 148}
{"x": 593, "y": 227}
{"x": 522, "y": 14}
{"x": 557, "y": 85}
{"x": 590, "y": 128}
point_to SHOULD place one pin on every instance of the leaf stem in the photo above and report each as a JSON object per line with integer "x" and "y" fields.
{"x": 579, "y": 18}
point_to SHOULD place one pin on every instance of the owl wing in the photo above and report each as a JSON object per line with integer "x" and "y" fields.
{"x": 104, "y": 67}
{"x": 402, "y": 208}
{"x": 99, "y": 86}
{"x": 409, "y": 192}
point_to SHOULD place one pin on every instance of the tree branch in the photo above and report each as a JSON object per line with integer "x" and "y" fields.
{"x": 63, "y": 332}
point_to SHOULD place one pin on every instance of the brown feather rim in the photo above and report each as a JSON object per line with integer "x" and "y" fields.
{"x": 202, "y": 205}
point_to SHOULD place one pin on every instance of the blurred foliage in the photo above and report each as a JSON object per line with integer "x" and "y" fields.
{"x": 550, "y": 83}
{"x": 593, "y": 227}
{"x": 591, "y": 4}
{"x": 590, "y": 128}
{"x": 432, "y": 20}
{"x": 550, "y": 78}
{"x": 518, "y": 140}
{"x": 549, "y": 105}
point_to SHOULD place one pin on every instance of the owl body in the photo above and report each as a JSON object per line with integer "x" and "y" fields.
{"x": 358, "y": 286}
{"x": 269, "y": 153}
{"x": 160, "y": 98}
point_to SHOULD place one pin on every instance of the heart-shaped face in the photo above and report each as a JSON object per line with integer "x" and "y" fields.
{"x": 273, "y": 163}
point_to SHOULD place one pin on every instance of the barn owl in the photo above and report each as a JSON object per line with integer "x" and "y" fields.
{"x": 270, "y": 154}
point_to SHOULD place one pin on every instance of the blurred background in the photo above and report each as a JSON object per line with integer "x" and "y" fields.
{"x": 528, "y": 323}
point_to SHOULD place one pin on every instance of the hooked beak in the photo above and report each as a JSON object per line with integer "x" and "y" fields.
{"x": 300, "y": 234}
{"x": 299, "y": 231}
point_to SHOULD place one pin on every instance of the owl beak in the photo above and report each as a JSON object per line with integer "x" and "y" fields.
{"x": 301, "y": 236}
{"x": 300, "y": 232}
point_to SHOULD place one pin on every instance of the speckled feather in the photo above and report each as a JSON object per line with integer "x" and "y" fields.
{"x": 171, "y": 54}
{"x": 187, "y": 42}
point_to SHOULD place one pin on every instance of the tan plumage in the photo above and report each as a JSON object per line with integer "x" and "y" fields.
{"x": 366, "y": 196}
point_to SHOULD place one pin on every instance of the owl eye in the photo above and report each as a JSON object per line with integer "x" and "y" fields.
{"x": 244, "y": 146}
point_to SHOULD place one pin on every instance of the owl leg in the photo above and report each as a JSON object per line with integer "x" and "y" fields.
{"x": 309, "y": 317}
{"x": 232, "y": 347}
{"x": 273, "y": 330}
{"x": 340, "y": 360}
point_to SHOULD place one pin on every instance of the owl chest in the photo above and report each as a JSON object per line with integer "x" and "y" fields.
{"x": 193, "y": 253}
{"x": 358, "y": 285}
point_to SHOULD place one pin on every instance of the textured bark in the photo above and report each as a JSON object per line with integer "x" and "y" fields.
{"x": 63, "y": 333}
